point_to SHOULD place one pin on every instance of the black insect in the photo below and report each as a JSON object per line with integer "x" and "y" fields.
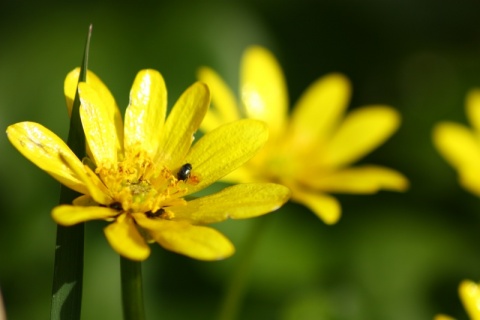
{"x": 116, "y": 206}
{"x": 184, "y": 172}
{"x": 156, "y": 214}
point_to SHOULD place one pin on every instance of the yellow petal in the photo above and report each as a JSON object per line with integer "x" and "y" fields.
{"x": 470, "y": 295}
{"x": 318, "y": 111}
{"x": 324, "y": 206}
{"x": 43, "y": 148}
{"x": 196, "y": 242}
{"x": 363, "y": 130}
{"x": 182, "y": 122}
{"x": 364, "y": 179}
{"x": 224, "y": 149}
{"x": 244, "y": 174}
{"x": 461, "y": 148}
{"x": 67, "y": 215}
{"x": 99, "y": 128}
{"x": 224, "y": 105}
{"x": 443, "y": 317}
{"x": 96, "y": 189}
{"x": 70, "y": 89}
{"x": 84, "y": 201}
{"x": 125, "y": 239}
{"x": 473, "y": 108}
{"x": 458, "y": 144}
{"x": 241, "y": 201}
{"x": 468, "y": 177}
{"x": 263, "y": 90}
{"x": 145, "y": 115}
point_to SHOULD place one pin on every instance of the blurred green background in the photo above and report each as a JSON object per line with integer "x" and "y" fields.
{"x": 391, "y": 256}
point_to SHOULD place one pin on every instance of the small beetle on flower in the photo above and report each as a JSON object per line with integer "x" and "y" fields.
{"x": 184, "y": 172}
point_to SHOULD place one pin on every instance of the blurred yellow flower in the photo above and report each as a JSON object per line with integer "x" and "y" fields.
{"x": 312, "y": 151}
{"x": 443, "y": 317}
{"x": 469, "y": 293}
{"x": 460, "y": 145}
{"x": 138, "y": 174}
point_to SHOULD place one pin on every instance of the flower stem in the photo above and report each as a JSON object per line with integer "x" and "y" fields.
{"x": 132, "y": 289}
{"x": 238, "y": 283}
{"x": 68, "y": 265}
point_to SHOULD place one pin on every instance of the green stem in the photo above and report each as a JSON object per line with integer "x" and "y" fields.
{"x": 132, "y": 289}
{"x": 68, "y": 271}
{"x": 68, "y": 266}
{"x": 238, "y": 283}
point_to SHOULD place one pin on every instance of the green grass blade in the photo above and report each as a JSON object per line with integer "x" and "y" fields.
{"x": 68, "y": 266}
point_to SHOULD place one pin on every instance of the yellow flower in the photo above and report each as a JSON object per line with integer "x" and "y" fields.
{"x": 138, "y": 174}
{"x": 460, "y": 145}
{"x": 312, "y": 151}
{"x": 469, "y": 293}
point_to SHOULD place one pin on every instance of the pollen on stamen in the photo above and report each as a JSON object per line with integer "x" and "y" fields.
{"x": 140, "y": 185}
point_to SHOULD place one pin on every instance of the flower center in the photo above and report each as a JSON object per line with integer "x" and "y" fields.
{"x": 140, "y": 185}
{"x": 275, "y": 163}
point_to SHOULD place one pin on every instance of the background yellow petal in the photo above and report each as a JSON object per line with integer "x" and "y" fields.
{"x": 443, "y": 317}
{"x": 236, "y": 202}
{"x": 263, "y": 91}
{"x": 99, "y": 127}
{"x": 43, "y": 148}
{"x": 224, "y": 104}
{"x": 67, "y": 215}
{"x": 468, "y": 177}
{"x": 365, "y": 179}
{"x": 363, "y": 130}
{"x": 125, "y": 239}
{"x": 319, "y": 111}
{"x": 244, "y": 174}
{"x": 470, "y": 294}
{"x": 324, "y": 206}
{"x": 196, "y": 242}
{"x": 182, "y": 122}
{"x": 473, "y": 108}
{"x": 224, "y": 149}
{"x": 458, "y": 145}
{"x": 145, "y": 115}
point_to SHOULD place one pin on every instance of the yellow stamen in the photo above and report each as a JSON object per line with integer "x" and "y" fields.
{"x": 140, "y": 185}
